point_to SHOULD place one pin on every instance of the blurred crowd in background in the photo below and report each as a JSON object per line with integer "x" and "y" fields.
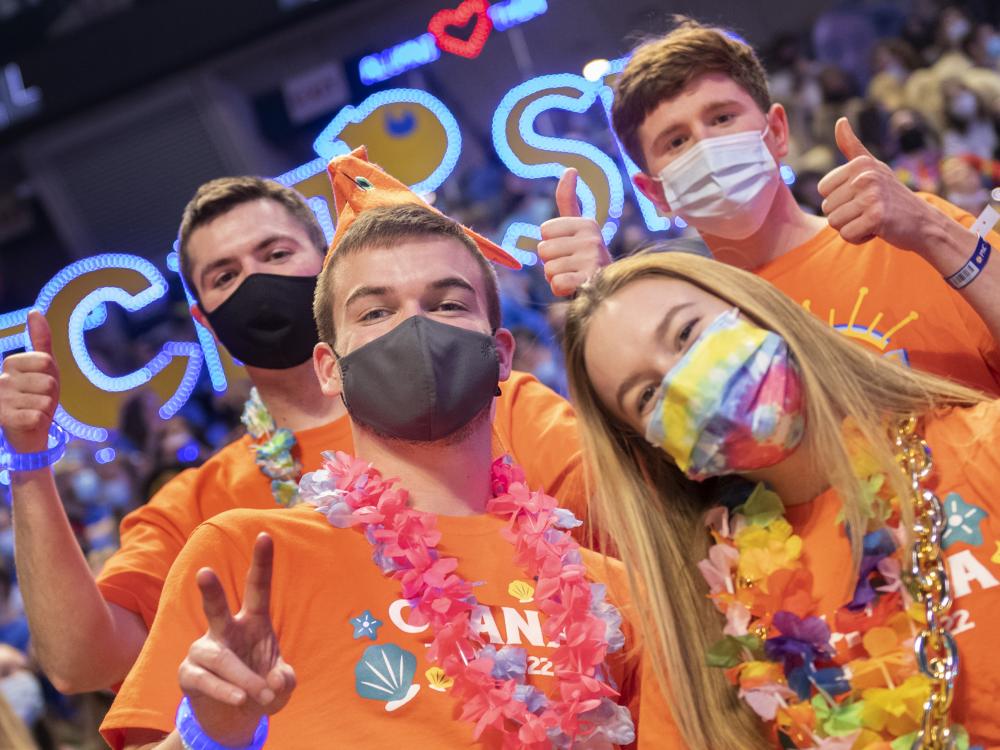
{"x": 922, "y": 90}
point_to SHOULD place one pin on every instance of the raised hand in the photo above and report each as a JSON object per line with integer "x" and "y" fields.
{"x": 29, "y": 390}
{"x": 864, "y": 199}
{"x": 234, "y": 674}
{"x": 572, "y": 248}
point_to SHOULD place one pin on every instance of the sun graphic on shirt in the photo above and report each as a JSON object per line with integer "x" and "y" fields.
{"x": 870, "y": 334}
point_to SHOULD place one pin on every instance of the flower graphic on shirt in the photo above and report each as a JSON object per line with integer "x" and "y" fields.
{"x": 365, "y": 626}
{"x": 869, "y": 334}
{"x": 964, "y": 520}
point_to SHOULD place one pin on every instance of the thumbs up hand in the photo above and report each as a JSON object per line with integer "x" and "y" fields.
{"x": 572, "y": 248}
{"x": 29, "y": 390}
{"x": 864, "y": 199}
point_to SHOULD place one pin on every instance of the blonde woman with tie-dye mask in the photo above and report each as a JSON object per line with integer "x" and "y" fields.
{"x": 745, "y": 458}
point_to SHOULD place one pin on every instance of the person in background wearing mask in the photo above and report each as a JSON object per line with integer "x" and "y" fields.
{"x": 899, "y": 271}
{"x": 969, "y": 129}
{"x": 371, "y": 599}
{"x": 917, "y": 154}
{"x": 250, "y": 251}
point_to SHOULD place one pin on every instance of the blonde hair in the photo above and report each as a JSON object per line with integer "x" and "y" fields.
{"x": 653, "y": 514}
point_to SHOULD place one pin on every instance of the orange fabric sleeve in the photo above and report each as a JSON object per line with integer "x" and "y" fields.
{"x": 988, "y": 347}
{"x": 151, "y": 693}
{"x": 538, "y": 428}
{"x": 151, "y": 538}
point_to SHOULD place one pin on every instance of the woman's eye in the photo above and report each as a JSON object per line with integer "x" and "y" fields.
{"x": 677, "y": 142}
{"x": 645, "y": 396}
{"x": 685, "y": 333}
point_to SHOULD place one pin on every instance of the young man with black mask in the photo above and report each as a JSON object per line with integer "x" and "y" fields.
{"x": 250, "y": 251}
{"x": 444, "y": 608}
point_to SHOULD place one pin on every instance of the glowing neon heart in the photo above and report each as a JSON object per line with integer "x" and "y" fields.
{"x": 460, "y": 17}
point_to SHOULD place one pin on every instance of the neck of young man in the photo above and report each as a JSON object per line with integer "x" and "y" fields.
{"x": 786, "y": 227}
{"x": 446, "y": 477}
{"x": 294, "y": 399}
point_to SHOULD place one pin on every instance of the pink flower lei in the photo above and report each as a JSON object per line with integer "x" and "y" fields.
{"x": 490, "y": 683}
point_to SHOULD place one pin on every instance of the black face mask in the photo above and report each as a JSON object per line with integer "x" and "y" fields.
{"x": 911, "y": 140}
{"x": 422, "y": 381}
{"x": 268, "y": 321}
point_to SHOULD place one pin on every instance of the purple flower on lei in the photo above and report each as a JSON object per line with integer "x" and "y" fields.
{"x": 509, "y": 663}
{"x": 553, "y": 536}
{"x": 877, "y": 545}
{"x": 532, "y": 697}
{"x": 614, "y": 723}
{"x": 609, "y": 613}
{"x": 318, "y": 489}
{"x": 564, "y": 519}
{"x": 802, "y": 641}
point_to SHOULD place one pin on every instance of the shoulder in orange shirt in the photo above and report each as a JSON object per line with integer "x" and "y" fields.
{"x": 532, "y": 423}
{"x": 362, "y": 676}
{"x": 966, "y": 477}
{"x": 893, "y": 301}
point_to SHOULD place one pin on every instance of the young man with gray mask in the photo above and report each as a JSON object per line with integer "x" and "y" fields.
{"x": 250, "y": 252}
{"x": 445, "y": 608}
{"x": 904, "y": 273}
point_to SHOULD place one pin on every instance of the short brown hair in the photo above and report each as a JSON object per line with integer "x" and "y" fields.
{"x": 220, "y": 196}
{"x": 386, "y": 226}
{"x": 660, "y": 69}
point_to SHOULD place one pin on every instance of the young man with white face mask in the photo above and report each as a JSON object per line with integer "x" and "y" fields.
{"x": 900, "y": 271}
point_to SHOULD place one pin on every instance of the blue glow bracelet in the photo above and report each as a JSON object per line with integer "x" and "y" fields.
{"x": 193, "y": 737}
{"x": 11, "y": 460}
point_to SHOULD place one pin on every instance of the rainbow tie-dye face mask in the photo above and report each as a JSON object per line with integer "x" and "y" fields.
{"x": 733, "y": 402}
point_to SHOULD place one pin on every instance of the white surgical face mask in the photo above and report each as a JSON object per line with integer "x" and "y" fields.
{"x": 964, "y": 105}
{"x": 724, "y": 186}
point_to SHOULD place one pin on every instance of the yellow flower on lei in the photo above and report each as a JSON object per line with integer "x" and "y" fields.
{"x": 765, "y": 549}
{"x": 898, "y": 710}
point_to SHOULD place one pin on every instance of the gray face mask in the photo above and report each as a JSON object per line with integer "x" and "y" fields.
{"x": 422, "y": 381}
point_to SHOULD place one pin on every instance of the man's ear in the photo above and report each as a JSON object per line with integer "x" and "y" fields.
{"x": 505, "y": 351}
{"x": 653, "y": 190}
{"x": 777, "y": 138}
{"x": 327, "y": 371}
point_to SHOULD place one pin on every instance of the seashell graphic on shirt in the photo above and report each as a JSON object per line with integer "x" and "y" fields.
{"x": 523, "y": 591}
{"x": 385, "y": 673}
{"x": 438, "y": 680}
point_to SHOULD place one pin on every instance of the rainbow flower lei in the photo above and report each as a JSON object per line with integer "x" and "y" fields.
{"x": 818, "y": 691}
{"x": 491, "y": 684}
{"x": 273, "y": 450}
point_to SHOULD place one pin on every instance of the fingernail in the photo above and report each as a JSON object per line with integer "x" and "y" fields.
{"x": 266, "y": 696}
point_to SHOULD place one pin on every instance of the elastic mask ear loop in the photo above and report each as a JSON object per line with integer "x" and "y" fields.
{"x": 494, "y": 333}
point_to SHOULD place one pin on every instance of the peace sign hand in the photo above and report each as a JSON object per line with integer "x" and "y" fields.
{"x": 234, "y": 674}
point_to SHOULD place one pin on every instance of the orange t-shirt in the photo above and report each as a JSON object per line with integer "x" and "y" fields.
{"x": 966, "y": 478}
{"x": 894, "y": 301}
{"x": 362, "y": 676}
{"x": 532, "y": 423}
